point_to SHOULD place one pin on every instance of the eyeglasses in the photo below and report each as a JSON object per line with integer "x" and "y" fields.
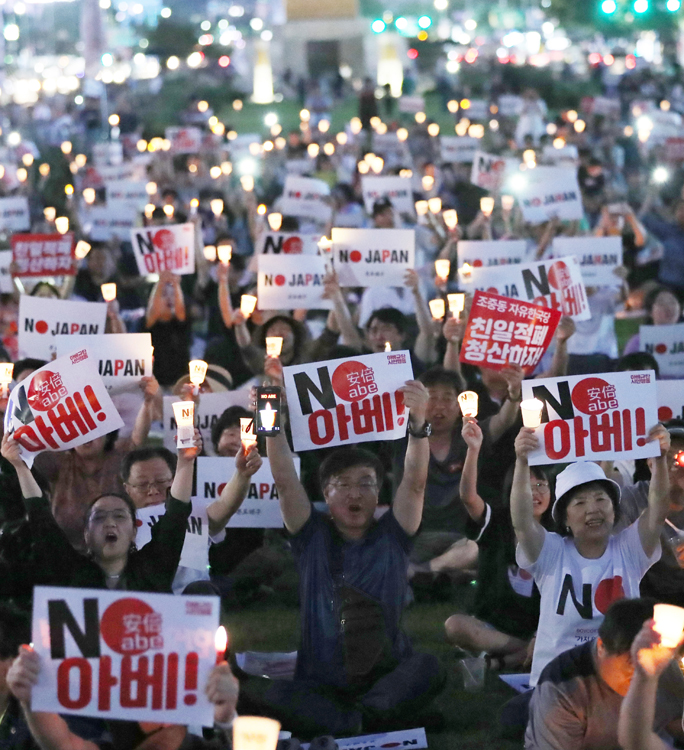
{"x": 158, "y": 484}
{"x": 100, "y": 516}
{"x": 541, "y": 486}
{"x": 347, "y": 486}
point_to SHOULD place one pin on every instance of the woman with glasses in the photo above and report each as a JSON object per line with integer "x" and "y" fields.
{"x": 506, "y": 608}
{"x": 111, "y": 559}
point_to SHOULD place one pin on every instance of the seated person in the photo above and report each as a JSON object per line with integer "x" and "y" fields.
{"x": 356, "y": 671}
{"x": 576, "y": 704}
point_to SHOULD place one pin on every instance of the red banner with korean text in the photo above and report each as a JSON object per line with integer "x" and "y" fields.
{"x": 346, "y": 401}
{"x": 43, "y": 254}
{"x": 62, "y": 405}
{"x": 503, "y": 331}
{"x": 124, "y": 655}
{"x": 601, "y": 417}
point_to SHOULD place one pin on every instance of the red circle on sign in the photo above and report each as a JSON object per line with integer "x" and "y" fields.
{"x": 293, "y": 246}
{"x": 492, "y": 290}
{"x": 41, "y": 327}
{"x": 353, "y": 375}
{"x": 559, "y": 275}
{"x": 355, "y": 256}
{"x": 163, "y": 239}
{"x": 123, "y": 620}
{"x": 44, "y": 391}
{"x": 660, "y": 348}
{"x": 280, "y": 280}
{"x": 582, "y": 398}
{"x": 664, "y": 413}
{"x": 477, "y": 263}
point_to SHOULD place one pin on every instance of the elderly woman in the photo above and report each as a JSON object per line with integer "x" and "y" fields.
{"x": 112, "y": 560}
{"x": 582, "y": 569}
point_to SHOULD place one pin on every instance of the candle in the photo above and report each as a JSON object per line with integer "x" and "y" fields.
{"x": 435, "y": 205}
{"x": 531, "y": 410}
{"x": 225, "y": 253}
{"x": 456, "y": 302}
{"x": 198, "y": 371}
{"x": 6, "y": 372}
{"x": 421, "y": 207}
{"x": 450, "y": 218}
{"x": 217, "y": 206}
{"x": 169, "y": 210}
{"x": 507, "y": 202}
{"x": 442, "y": 268}
{"x": 184, "y": 413}
{"x": 468, "y": 403}
{"x": 428, "y": 183}
{"x": 268, "y": 417}
{"x": 82, "y": 249}
{"x": 324, "y": 244}
{"x": 50, "y": 212}
{"x": 221, "y": 644}
{"x": 247, "y": 436}
{"x": 151, "y": 188}
{"x": 89, "y": 195}
{"x": 669, "y": 622}
{"x": 465, "y": 270}
{"x": 210, "y": 253}
{"x": 247, "y": 304}
{"x": 194, "y": 205}
{"x": 487, "y": 205}
{"x": 247, "y": 182}
{"x": 274, "y": 345}
{"x": 388, "y": 346}
{"x": 437, "y": 308}
{"x": 255, "y": 733}
{"x": 62, "y": 224}
{"x": 108, "y": 292}
{"x": 275, "y": 221}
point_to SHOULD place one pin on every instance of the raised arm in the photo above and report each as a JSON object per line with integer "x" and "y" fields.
{"x": 559, "y": 362}
{"x": 150, "y": 409}
{"x": 349, "y": 332}
{"x": 424, "y": 347}
{"x": 453, "y": 331}
{"x": 652, "y": 519}
{"x": 294, "y": 502}
{"x": 225, "y": 305}
{"x": 27, "y": 482}
{"x": 528, "y": 531}
{"x": 408, "y": 501}
{"x": 247, "y": 463}
{"x": 474, "y": 504}
{"x": 156, "y": 302}
{"x": 505, "y": 418}
{"x": 181, "y": 489}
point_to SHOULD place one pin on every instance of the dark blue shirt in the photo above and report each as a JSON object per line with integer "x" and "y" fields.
{"x": 671, "y": 270}
{"x": 375, "y": 564}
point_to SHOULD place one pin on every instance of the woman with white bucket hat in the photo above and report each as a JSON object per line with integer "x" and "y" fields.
{"x": 584, "y": 567}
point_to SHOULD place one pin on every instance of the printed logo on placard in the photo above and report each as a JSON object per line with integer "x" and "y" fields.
{"x": 594, "y": 396}
{"x": 79, "y": 356}
{"x": 198, "y": 608}
{"x": 640, "y": 379}
{"x": 131, "y": 627}
{"x": 396, "y": 359}
{"x": 45, "y": 390}
{"x": 353, "y": 381}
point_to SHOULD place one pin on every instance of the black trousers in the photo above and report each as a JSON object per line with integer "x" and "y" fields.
{"x": 308, "y": 708}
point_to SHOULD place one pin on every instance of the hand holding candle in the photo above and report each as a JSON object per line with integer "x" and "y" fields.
{"x": 225, "y": 253}
{"x": 487, "y": 205}
{"x": 274, "y": 345}
{"x": 442, "y": 268}
{"x": 669, "y": 623}
{"x": 275, "y": 221}
{"x": 247, "y": 304}
{"x": 108, "y": 292}
{"x": 437, "y": 308}
{"x": 531, "y": 410}
{"x": 247, "y": 434}
{"x": 184, "y": 414}
{"x": 467, "y": 400}
{"x": 450, "y": 218}
{"x": 456, "y": 304}
{"x": 198, "y": 371}
{"x": 221, "y": 644}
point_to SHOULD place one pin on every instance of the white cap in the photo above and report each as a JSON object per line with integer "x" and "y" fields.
{"x": 581, "y": 473}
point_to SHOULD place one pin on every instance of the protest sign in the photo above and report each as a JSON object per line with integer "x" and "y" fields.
{"x": 501, "y": 332}
{"x": 210, "y": 408}
{"x": 594, "y": 418}
{"x": 396, "y": 189}
{"x": 477, "y": 253}
{"x": 128, "y": 193}
{"x": 284, "y": 282}
{"x": 60, "y": 406}
{"x": 545, "y": 192}
{"x": 510, "y": 105}
{"x": 550, "y": 283}
{"x": 373, "y": 257}
{"x": 43, "y": 254}
{"x": 167, "y": 248}
{"x": 666, "y": 344}
{"x": 260, "y": 509}
{"x": 300, "y": 167}
{"x": 6, "y": 284}
{"x": 184, "y": 140}
{"x": 287, "y": 243}
{"x": 41, "y": 319}
{"x": 384, "y": 143}
{"x": 107, "y": 174}
{"x": 411, "y": 104}
{"x": 553, "y": 155}
{"x": 670, "y": 399}
{"x": 477, "y": 109}
{"x": 404, "y": 738}
{"x": 307, "y": 197}
{"x": 488, "y": 171}
{"x": 124, "y": 655}
{"x": 346, "y": 401}
{"x": 458, "y": 149}
{"x": 598, "y": 257}
{"x": 104, "y": 223}
{"x": 14, "y": 214}
{"x": 110, "y": 152}
{"x": 122, "y": 358}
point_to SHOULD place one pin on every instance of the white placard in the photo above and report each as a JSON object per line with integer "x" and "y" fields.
{"x": 115, "y": 172}
{"x": 411, "y": 104}
{"x": 104, "y": 223}
{"x": 458, "y": 149}
{"x": 347, "y": 401}
{"x": 287, "y": 243}
{"x": 489, "y": 171}
{"x": 478, "y": 110}
{"x": 545, "y": 192}
{"x": 595, "y": 417}
{"x": 122, "y": 358}
{"x": 6, "y": 283}
{"x": 510, "y": 105}
{"x": 406, "y": 738}
{"x": 127, "y": 193}
{"x": 285, "y": 282}
{"x": 41, "y": 319}
{"x": 670, "y": 399}
{"x": 568, "y": 153}
{"x": 95, "y": 645}
{"x": 60, "y": 406}
{"x": 260, "y": 509}
{"x": 14, "y": 214}
{"x": 598, "y": 257}
{"x": 373, "y": 257}
{"x": 107, "y": 153}
{"x": 666, "y": 344}
{"x": 184, "y": 140}
{"x": 478, "y": 253}
{"x": 556, "y": 284}
{"x": 170, "y": 248}
{"x": 307, "y": 197}
{"x": 397, "y": 189}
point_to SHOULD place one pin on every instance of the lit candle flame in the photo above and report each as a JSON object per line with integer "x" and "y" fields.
{"x": 388, "y": 346}
{"x": 220, "y": 643}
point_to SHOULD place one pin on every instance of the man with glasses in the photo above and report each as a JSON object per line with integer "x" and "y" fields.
{"x": 356, "y": 671}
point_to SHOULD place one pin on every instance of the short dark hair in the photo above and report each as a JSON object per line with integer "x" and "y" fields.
{"x": 230, "y": 418}
{"x": 652, "y": 296}
{"x": 349, "y": 458}
{"x": 381, "y": 205}
{"x": 300, "y": 333}
{"x": 15, "y": 629}
{"x": 122, "y": 496}
{"x": 28, "y": 363}
{"x": 146, "y": 454}
{"x": 637, "y": 361}
{"x": 622, "y": 622}
{"x": 389, "y": 316}
{"x": 546, "y": 474}
{"x": 441, "y": 376}
{"x": 561, "y": 510}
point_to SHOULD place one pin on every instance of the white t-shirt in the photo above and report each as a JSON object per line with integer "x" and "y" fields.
{"x": 576, "y": 591}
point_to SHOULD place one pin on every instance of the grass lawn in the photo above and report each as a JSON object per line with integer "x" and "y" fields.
{"x": 471, "y": 717}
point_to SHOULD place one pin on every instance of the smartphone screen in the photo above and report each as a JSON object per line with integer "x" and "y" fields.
{"x": 267, "y": 419}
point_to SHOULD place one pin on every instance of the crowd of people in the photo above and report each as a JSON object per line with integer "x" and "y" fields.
{"x": 568, "y": 559}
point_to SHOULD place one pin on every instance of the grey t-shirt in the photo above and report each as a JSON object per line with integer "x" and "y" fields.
{"x": 572, "y": 708}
